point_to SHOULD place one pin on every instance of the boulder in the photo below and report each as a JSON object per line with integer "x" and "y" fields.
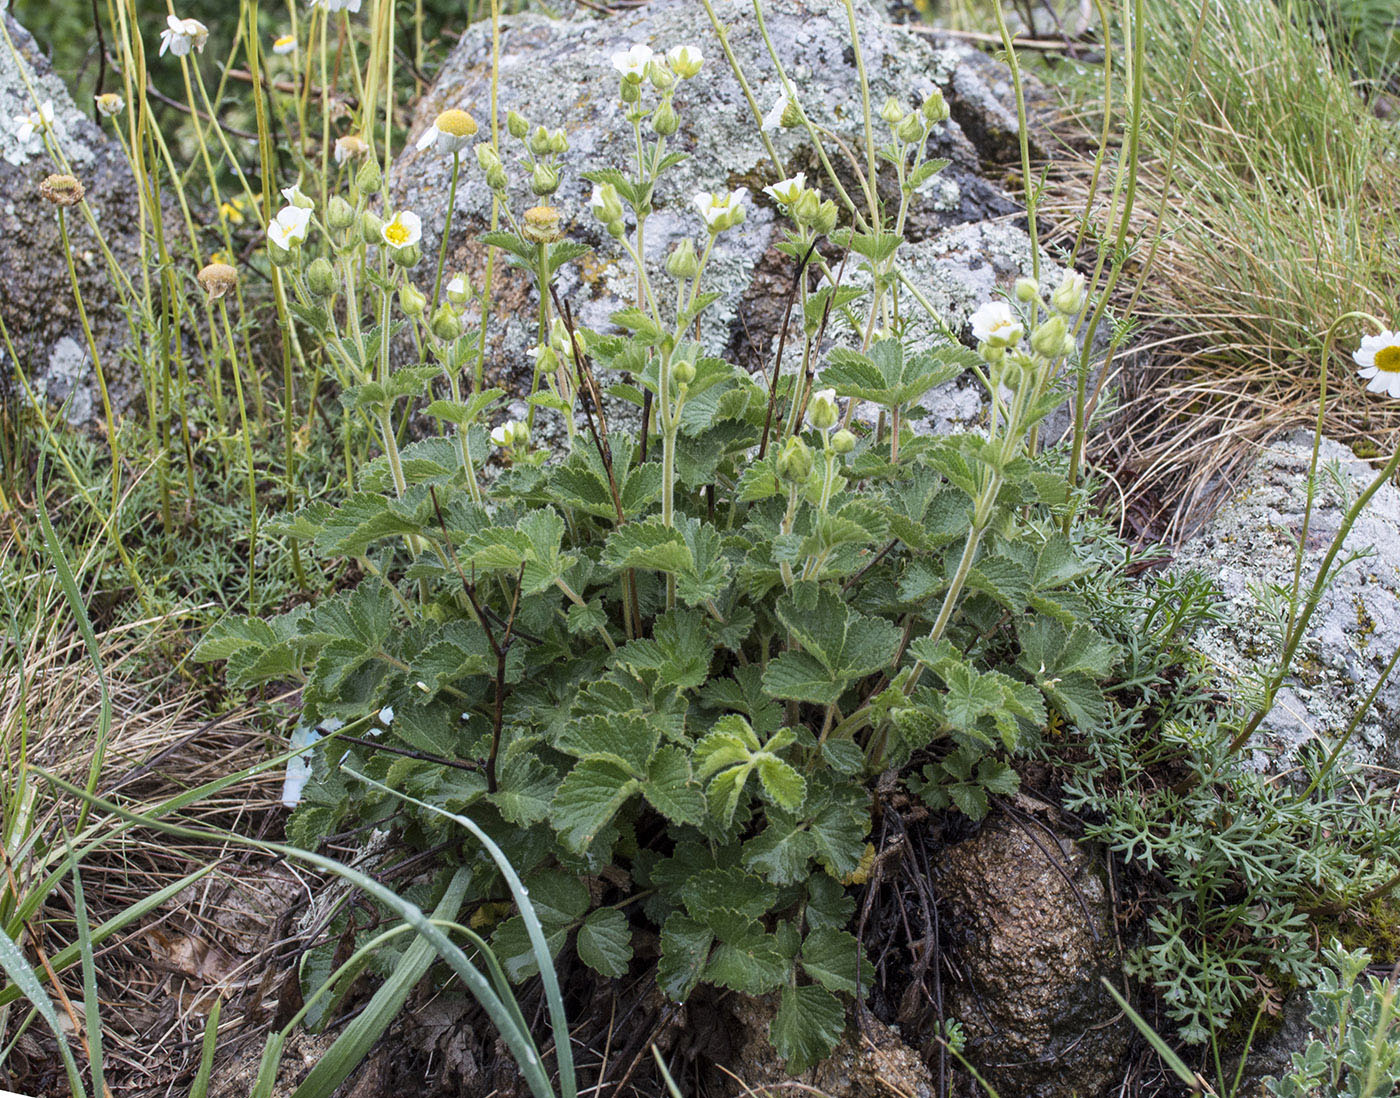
{"x": 36, "y": 294}
{"x": 963, "y": 240}
{"x": 1248, "y": 545}
{"x": 1028, "y": 925}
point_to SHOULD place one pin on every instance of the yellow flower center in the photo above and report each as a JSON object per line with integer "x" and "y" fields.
{"x": 456, "y": 123}
{"x": 396, "y": 233}
{"x": 285, "y": 40}
{"x": 1388, "y": 359}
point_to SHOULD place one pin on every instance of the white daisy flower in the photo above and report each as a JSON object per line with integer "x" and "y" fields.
{"x": 284, "y": 44}
{"x": 632, "y": 63}
{"x": 34, "y": 123}
{"x": 450, "y": 133}
{"x": 787, "y": 191}
{"x": 403, "y": 230}
{"x": 110, "y": 104}
{"x": 721, "y": 210}
{"x": 288, "y": 229}
{"x": 182, "y": 35}
{"x": 1379, "y": 359}
{"x": 996, "y": 324}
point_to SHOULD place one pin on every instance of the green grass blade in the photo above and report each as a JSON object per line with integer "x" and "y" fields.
{"x": 79, "y": 608}
{"x": 200, "y": 1087}
{"x": 353, "y": 1045}
{"x": 267, "y": 1067}
{"x": 1159, "y": 1046}
{"x": 70, "y": 953}
{"x": 558, "y": 1019}
{"x": 519, "y": 1043}
{"x": 22, "y": 976}
{"x": 92, "y": 1013}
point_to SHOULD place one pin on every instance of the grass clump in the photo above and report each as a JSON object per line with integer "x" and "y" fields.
{"x": 1267, "y": 187}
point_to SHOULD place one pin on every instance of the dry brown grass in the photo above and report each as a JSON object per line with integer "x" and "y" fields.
{"x": 219, "y": 938}
{"x": 1276, "y": 216}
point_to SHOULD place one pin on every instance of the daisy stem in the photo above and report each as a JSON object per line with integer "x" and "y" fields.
{"x": 1298, "y": 621}
{"x": 446, "y": 226}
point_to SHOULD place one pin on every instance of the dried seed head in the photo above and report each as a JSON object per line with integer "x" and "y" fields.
{"x": 61, "y": 190}
{"x": 217, "y": 279}
{"x": 542, "y": 224}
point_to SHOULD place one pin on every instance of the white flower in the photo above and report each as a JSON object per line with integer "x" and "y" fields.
{"x": 504, "y": 435}
{"x": 685, "y": 61}
{"x": 182, "y": 35}
{"x": 822, "y": 410}
{"x": 288, "y": 229}
{"x": 298, "y": 766}
{"x": 632, "y": 63}
{"x": 721, "y": 210}
{"x": 36, "y": 122}
{"x": 450, "y": 133}
{"x": 788, "y": 191}
{"x": 284, "y": 44}
{"x": 780, "y": 110}
{"x": 1379, "y": 359}
{"x": 403, "y": 230}
{"x": 996, "y": 324}
{"x": 337, "y": 5}
{"x": 294, "y": 197}
{"x": 110, "y": 104}
{"x": 386, "y": 716}
{"x": 458, "y": 290}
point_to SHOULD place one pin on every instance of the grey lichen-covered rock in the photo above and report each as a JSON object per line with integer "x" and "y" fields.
{"x": 963, "y": 244}
{"x": 36, "y": 293}
{"x": 1029, "y": 926}
{"x": 1248, "y": 545}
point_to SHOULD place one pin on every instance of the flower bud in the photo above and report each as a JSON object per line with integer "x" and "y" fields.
{"x": 661, "y": 77}
{"x": 371, "y": 227}
{"x": 503, "y": 435}
{"x": 935, "y": 108}
{"x": 806, "y": 207}
{"x": 892, "y": 112}
{"x": 407, "y": 257}
{"x": 683, "y": 372}
{"x": 1068, "y": 297}
{"x": 487, "y": 157}
{"x": 826, "y": 217}
{"x": 542, "y": 224}
{"x": 1026, "y": 290}
{"x": 339, "y": 214}
{"x": 630, "y": 91}
{"x": 320, "y": 277}
{"x": 445, "y": 324}
{"x": 411, "y": 300}
{"x": 458, "y": 290}
{"x": 279, "y": 255}
{"x": 910, "y": 129}
{"x": 605, "y": 204}
{"x": 1048, "y": 339}
{"x": 516, "y": 125}
{"x": 822, "y": 412}
{"x": 369, "y": 178}
{"x": 843, "y": 441}
{"x": 558, "y": 142}
{"x": 217, "y": 279}
{"x": 520, "y": 433}
{"x": 538, "y": 141}
{"x": 795, "y": 461}
{"x": 544, "y": 180}
{"x": 497, "y": 179}
{"x": 683, "y": 262}
{"x": 664, "y": 122}
{"x": 546, "y": 361}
